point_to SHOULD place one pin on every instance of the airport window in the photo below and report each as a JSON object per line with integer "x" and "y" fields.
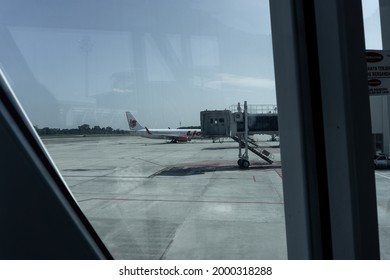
{"x": 375, "y": 19}
{"x": 93, "y": 86}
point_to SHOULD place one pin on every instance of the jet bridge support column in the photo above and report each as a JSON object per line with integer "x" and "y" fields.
{"x": 246, "y": 129}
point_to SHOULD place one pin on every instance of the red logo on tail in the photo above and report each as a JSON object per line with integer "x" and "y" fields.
{"x": 132, "y": 123}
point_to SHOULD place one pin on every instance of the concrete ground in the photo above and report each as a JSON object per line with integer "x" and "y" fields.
{"x": 151, "y": 200}
{"x": 148, "y": 199}
{"x": 382, "y": 178}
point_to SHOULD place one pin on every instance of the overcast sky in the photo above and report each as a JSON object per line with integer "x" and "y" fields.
{"x": 90, "y": 61}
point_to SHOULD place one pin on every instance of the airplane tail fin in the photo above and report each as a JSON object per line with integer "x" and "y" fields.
{"x": 134, "y": 125}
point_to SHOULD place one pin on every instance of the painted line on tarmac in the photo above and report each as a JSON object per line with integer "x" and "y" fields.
{"x": 180, "y": 201}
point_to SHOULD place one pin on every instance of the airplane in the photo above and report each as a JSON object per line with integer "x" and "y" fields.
{"x": 175, "y": 135}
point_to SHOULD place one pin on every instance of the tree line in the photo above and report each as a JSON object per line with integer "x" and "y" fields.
{"x": 82, "y": 129}
{"x": 87, "y": 129}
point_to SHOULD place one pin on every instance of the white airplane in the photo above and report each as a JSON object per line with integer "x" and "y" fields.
{"x": 175, "y": 135}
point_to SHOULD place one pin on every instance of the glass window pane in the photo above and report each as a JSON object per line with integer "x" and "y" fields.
{"x": 380, "y": 126}
{"x": 95, "y": 76}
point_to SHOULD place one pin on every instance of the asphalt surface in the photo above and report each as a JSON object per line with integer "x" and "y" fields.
{"x": 148, "y": 199}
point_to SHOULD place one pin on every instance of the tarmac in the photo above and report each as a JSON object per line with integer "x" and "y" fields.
{"x": 149, "y": 199}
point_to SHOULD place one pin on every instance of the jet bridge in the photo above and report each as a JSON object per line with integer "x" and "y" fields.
{"x": 239, "y": 125}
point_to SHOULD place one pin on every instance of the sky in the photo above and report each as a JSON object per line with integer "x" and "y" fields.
{"x": 75, "y": 62}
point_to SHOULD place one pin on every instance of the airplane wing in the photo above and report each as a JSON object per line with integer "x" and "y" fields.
{"x": 148, "y": 131}
{"x": 172, "y": 137}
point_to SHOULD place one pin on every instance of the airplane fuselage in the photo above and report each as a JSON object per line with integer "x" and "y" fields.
{"x": 168, "y": 133}
{"x": 175, "y": 135}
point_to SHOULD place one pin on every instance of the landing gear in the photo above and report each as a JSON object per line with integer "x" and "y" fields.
{"x": 243, "y": 163}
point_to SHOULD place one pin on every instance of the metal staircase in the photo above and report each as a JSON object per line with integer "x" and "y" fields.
{"x": 254, "y": 148}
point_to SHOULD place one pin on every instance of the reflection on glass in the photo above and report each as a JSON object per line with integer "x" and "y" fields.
{"x": 181, "y": 55}
{"x": 78, "y": 67}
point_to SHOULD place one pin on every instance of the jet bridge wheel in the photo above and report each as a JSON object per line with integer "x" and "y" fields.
{"x": 243, "y": 163}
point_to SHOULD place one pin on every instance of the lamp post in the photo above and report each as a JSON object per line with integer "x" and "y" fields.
{"x": 86, "y": 44}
